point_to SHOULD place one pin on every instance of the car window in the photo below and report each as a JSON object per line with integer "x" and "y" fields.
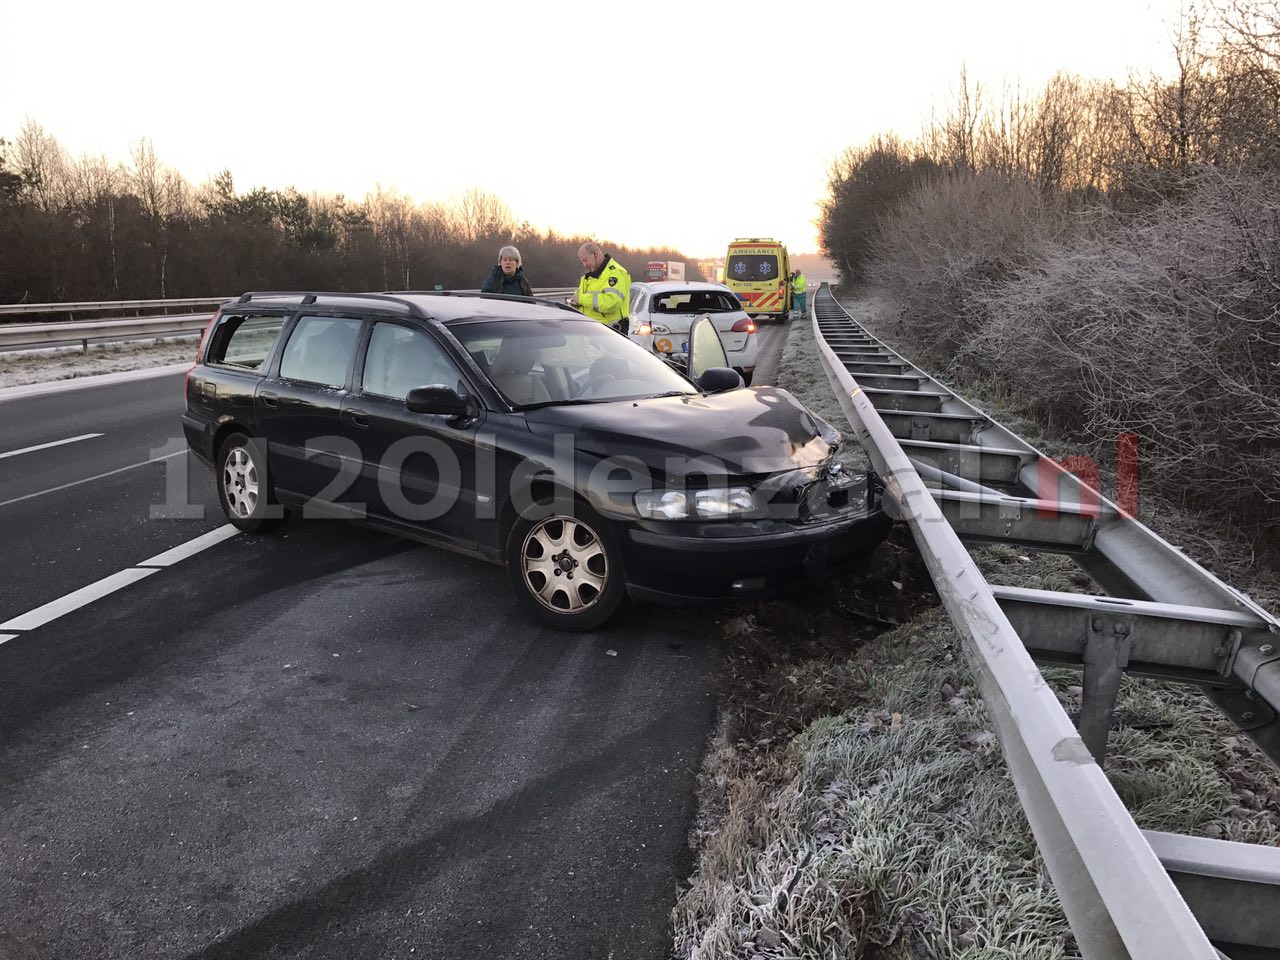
{"x": 319, "y": 350}
{"x": 565, "y": 361}
{"x": 696, "y": 301}
{"x": 401, "y": 358}
{"x": 240, "y": 341}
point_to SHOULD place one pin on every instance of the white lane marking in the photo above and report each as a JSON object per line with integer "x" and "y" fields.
{"x": 6, "y": 637}
{"x": 101, "y": 476}
{"x": 74, "y": 601}
{"x": 191, "y": 547}
{"x": 52, "y": 443}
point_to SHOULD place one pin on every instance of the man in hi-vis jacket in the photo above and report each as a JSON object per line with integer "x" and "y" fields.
{"x": 604, "y": 292}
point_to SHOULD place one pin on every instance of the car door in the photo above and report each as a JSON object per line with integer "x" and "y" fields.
{"x": 298, "y": 410}
{"x": 706, "y": 350}
{"x": 417, "y": 470}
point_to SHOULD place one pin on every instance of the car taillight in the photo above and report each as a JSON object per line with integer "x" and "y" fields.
{"x": 745, "y": 325}
{"x": 186, "y": 384}
{"x": 643, "y": 330}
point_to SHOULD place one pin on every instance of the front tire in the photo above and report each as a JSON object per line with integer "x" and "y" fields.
{"x": 565, "y": 567}
{"x": 244, "y": 486}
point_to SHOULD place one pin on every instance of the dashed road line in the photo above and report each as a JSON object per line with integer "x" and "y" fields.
{"x": 117, "y": 581}
{"x": 101, "y": 476}
{"x": 191, "y": 547}
{"x": 52, "y": 443}
{"x": 79, "y": 598}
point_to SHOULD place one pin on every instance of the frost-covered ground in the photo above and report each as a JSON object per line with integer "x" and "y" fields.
{"x": 19, "y": 369}
{"x": 855, "y": 802}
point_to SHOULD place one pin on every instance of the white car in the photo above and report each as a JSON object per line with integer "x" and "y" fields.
{"x": 662, "y": 313}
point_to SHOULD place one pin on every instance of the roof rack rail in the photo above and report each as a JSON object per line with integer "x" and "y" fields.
{"x": 489, "y": 296}
{"x": 309, "y": 297}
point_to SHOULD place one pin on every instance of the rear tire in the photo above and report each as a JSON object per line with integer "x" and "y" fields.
{"x": 565, "y": 567}
{"x": 244, "y": 485}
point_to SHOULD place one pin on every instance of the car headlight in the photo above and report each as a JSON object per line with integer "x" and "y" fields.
{"x": 659, "y": 328}
{"x": 723, "y": 503}
{"x": 662, "y": 505}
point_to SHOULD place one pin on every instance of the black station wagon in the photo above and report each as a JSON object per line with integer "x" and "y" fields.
{"x": 521, "y": 432}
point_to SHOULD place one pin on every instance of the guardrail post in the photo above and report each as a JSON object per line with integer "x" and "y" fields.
{"x": 84, "y": 346}
{"x": 1106, "y": 654}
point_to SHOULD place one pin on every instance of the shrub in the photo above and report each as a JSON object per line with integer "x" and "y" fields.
{"x": 1164, "y": 323}
{"x": 955, "y": 240}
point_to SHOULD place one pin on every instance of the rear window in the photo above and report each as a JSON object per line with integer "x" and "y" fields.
{"x": 243, "y": 342}
{"x": 752, "y": 267}
{"x": 696, "y": 301}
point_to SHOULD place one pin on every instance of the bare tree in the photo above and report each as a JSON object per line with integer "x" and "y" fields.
{"x": 165, "y": 197}
{"x": 42, "y": 164}
{"x": 483, "y": 216}
{"x": 94, "y": 188}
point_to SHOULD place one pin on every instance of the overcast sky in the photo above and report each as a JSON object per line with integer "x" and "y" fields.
{"x": 682, "y": 124}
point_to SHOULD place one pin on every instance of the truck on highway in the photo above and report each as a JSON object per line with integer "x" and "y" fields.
{"x": 664, "y": 270}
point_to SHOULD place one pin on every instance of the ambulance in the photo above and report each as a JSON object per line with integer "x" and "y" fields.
{"x": 756, "y": 269}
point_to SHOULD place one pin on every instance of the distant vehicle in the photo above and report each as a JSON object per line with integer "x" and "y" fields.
{"x": 526, "y": 434}
{"x": 663, "y": 313}
{"x": 664, "y": 270}
{"x": 756, "y": 270}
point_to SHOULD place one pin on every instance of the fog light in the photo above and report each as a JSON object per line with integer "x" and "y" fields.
{"x": 747, "y": 583}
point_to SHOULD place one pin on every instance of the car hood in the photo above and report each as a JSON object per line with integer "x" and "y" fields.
{"x": 757, "y": 431}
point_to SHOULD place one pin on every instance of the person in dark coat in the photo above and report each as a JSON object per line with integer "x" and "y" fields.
{"x": 507, "y": 275}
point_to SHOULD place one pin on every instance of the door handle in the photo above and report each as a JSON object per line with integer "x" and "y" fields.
{"x": 358, "y": 417}
{"x": 269, "y": 399}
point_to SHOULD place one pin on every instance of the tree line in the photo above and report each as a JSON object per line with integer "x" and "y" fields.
{"x": 90, "y": 229}
{"x": 1107, "y": 255}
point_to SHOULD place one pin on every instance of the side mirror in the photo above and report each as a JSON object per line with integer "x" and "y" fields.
{"x": 437, "y": 398}
{"x": 719, "y": 379}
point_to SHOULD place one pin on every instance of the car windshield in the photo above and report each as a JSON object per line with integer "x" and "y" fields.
{"x": 695, "y": 301}
{"x": 753, "y": 268}
{"x": 544, "y": 362}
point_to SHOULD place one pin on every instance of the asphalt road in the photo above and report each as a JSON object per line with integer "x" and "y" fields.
{"x": 325, "y": 742}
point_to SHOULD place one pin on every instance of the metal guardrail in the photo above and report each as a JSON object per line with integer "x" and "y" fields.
{"x": 1125, "y": 893}
{"x": 119, "y": 306}
{"x": 22, "y": 336}
{"x": 14, "y": 336}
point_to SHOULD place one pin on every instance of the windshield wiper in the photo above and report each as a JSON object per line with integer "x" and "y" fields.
{"x": 578, "y": 401}
{"x": 575, "y": 401}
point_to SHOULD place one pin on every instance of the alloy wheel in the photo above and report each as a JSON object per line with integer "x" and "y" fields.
{"x": 564, "y": 564}
{"x": 240, "y": 483}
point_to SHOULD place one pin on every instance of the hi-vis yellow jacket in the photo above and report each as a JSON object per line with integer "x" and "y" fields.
{"x": 605, "y": 294}
{"x": 799, "y": 284}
